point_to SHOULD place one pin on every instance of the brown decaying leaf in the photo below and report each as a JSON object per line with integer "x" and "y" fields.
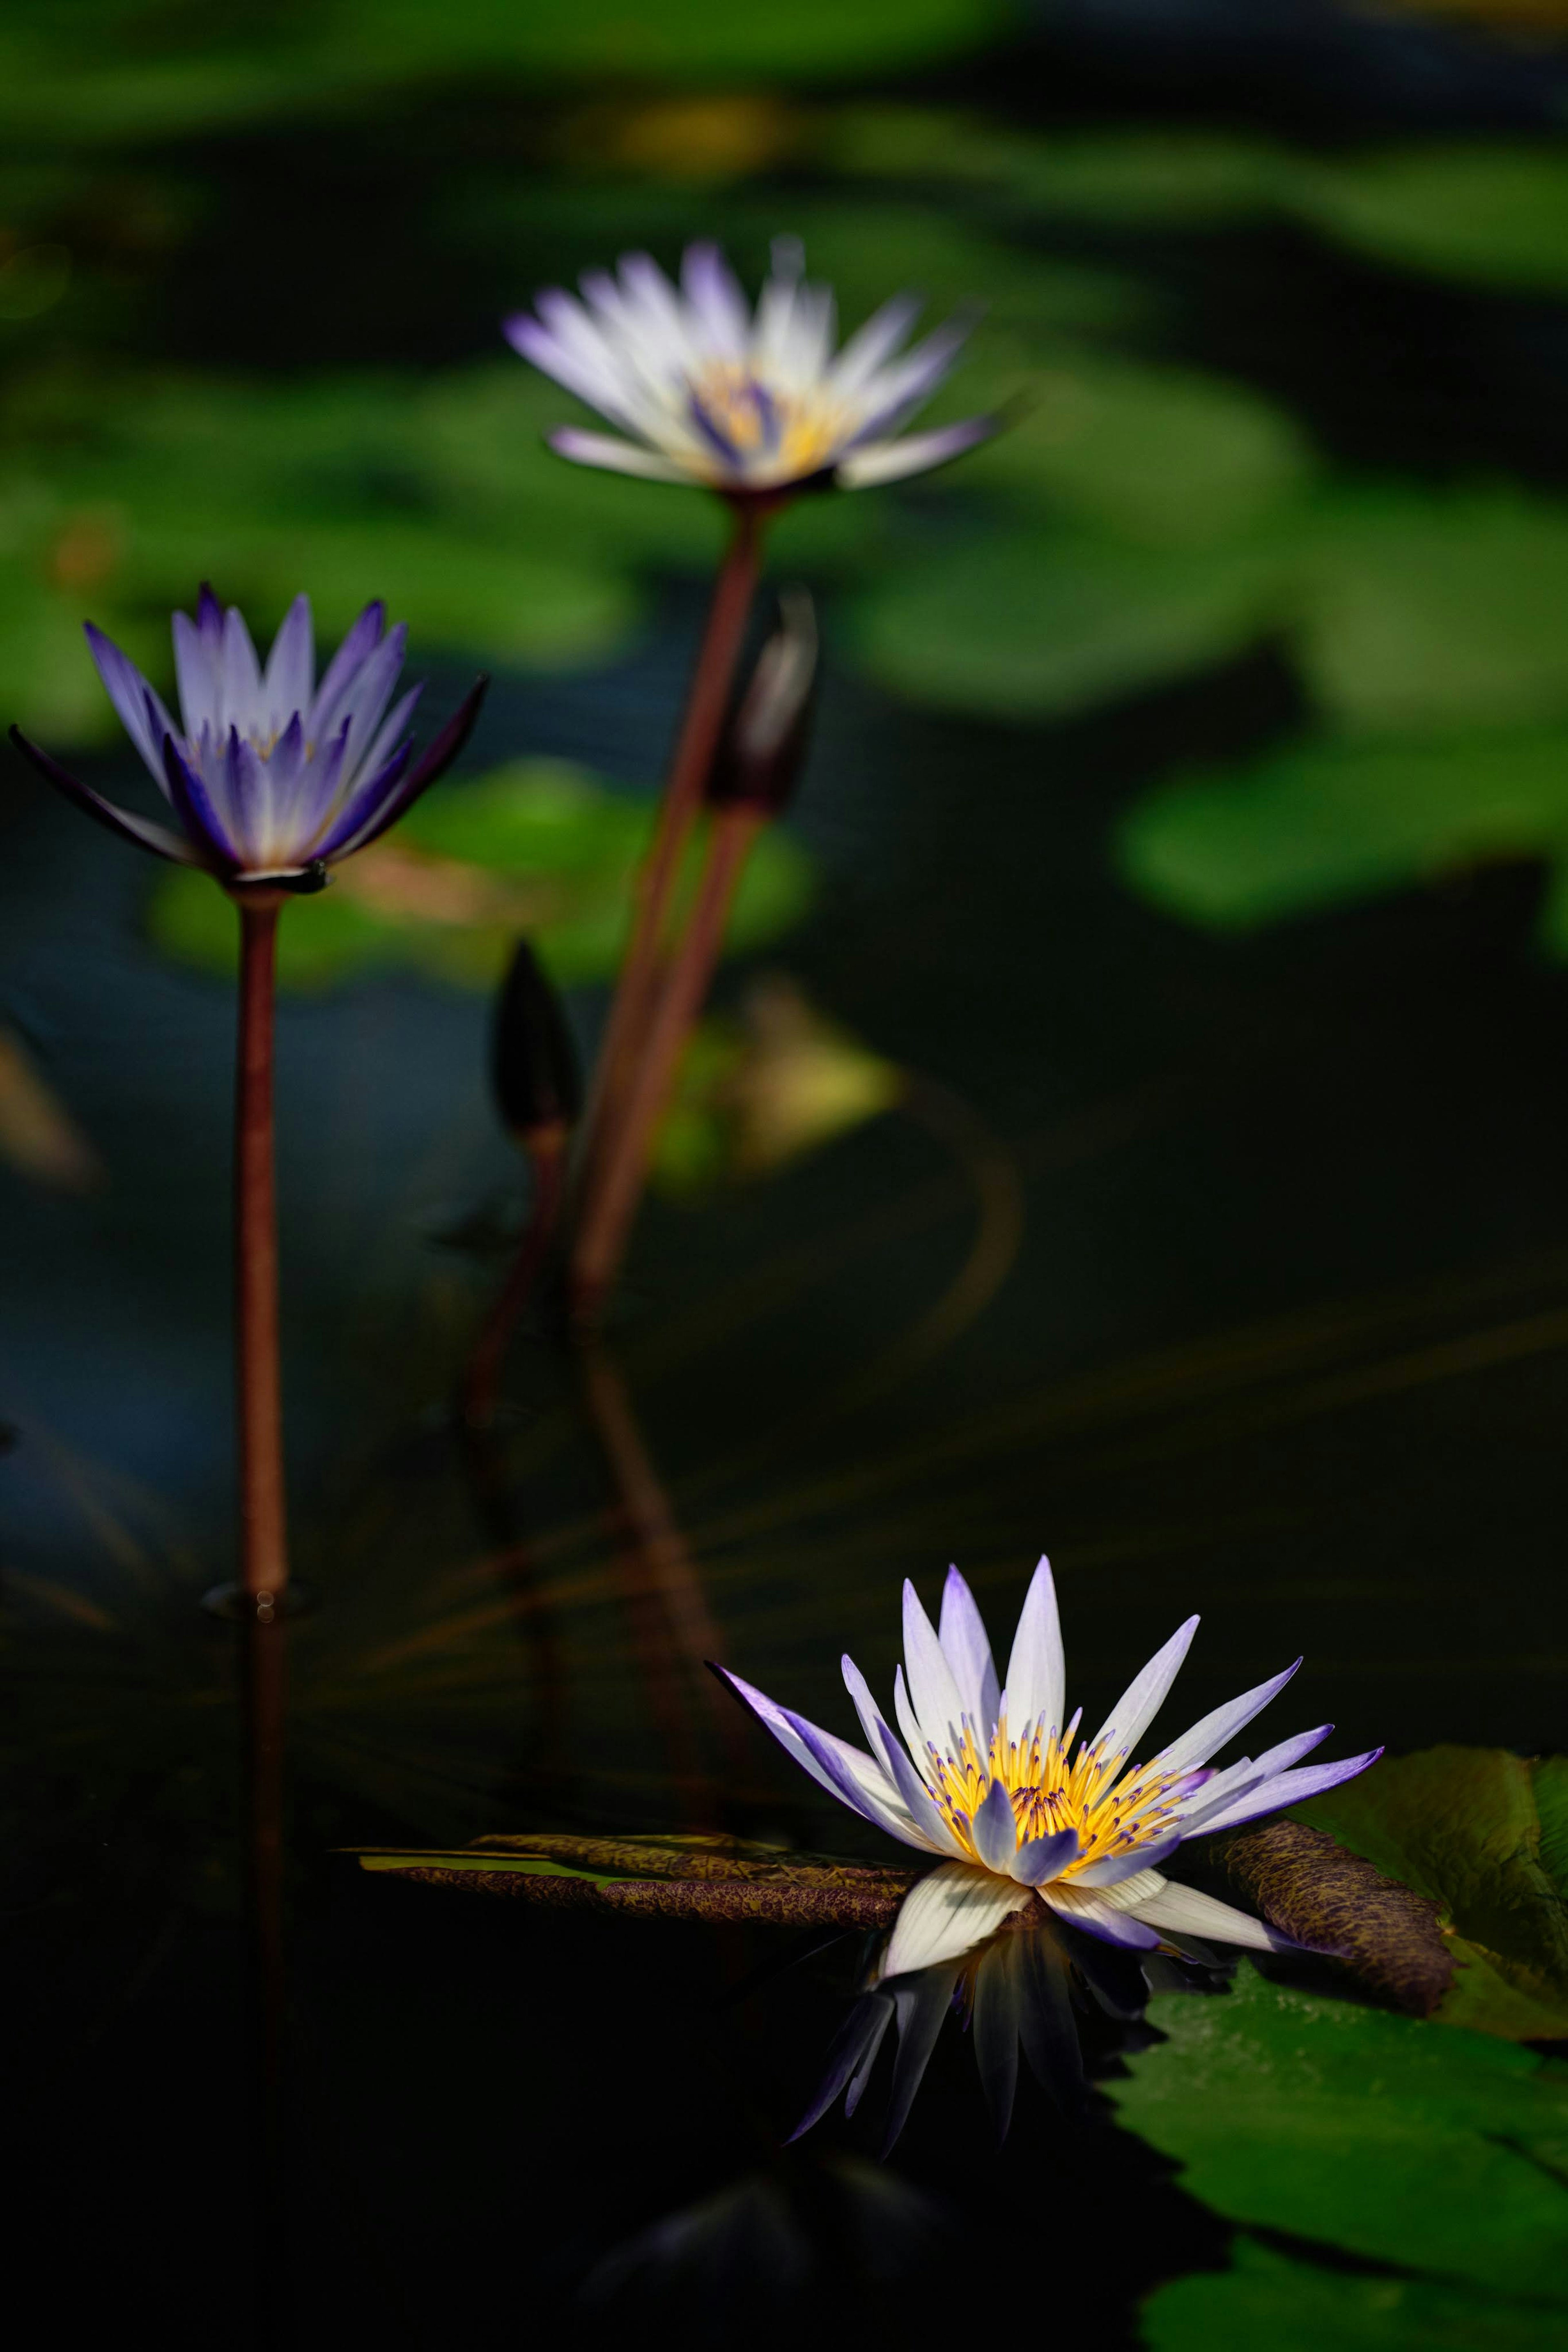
{"x": 708, "y": 1877}
{"x": 1389, "y": 1937}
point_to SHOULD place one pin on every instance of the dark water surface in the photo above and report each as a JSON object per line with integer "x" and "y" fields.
{"x": 1283, "y": 1340}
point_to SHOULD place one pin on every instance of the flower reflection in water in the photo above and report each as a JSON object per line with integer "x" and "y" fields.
{"x": 1039, "y": 1986}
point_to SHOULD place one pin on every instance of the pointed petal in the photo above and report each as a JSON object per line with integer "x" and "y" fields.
{"x": 1037, "y": 1672}
{"x": 1045, "y": 1858}
{"x": 937, "y": 1703}
{"x": 131, "y": 694}
{"x": 912, "y": 1790}
{"x": 1184, "y": 1911}
{"x": 325, "y": 716}
{"x": 1141, "y": 1701}
{"x": 431, "y": 768}
{"x": 291, "y": 666}
{"x": 968, "y": 1650}
{"x": 715, "y": 297}
{"x": 908, "y": 1722}
{"x": 876, "y": 462}
{"x": 1222, "y": 1788}
{"x": 1047, "y": 2026}
{"x": 856, "y": 1779}
{"x": 853, "y": 2049}
{"x": 1099, "y": 1916}
{"x": 867, "y": 348}
{"x": 139, "y": 830}
{"x": 1118, "y": 1866}
{"x": 197, "y": 674}
{"x": 995, "y": 1829}
{"x": 998, "y": 2006}
{"x": 1206, "y": 1738}
{"x": 613, "y": 456}
{"x": 240, "y": 672}
{"x": 957, "y": 1907}
{"x": 197, "y": 813}
{"x": 1289, "y": 1789}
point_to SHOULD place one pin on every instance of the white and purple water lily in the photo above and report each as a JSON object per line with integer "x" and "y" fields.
{"x": 986, "y": 1779}
{"x": 272, "y": 777}
{"x": 710, "y": 392}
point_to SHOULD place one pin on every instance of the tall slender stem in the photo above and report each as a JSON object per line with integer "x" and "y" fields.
{"x": 263, "y": 1657}
{"x": 263, "y": 1533}
{"x": 701, "y": 724}
{"x": 612, "y": 1201}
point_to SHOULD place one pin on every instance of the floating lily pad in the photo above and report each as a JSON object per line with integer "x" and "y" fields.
{"x": 1443, "y": 2154}
{"x": 1482, "y": 1833}
{"x": 1493, "y": 216}
{"x": 1333, "y": 820}
{"x": 1046, "y": 624}
{"x": 1294, "y": 2304}
{"x": 537, "y": 847}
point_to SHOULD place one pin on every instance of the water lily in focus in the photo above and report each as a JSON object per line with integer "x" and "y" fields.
{"x": 272, "y": 777}
{"x": 987, "y": 1778}
{"x": 740, "y": 400}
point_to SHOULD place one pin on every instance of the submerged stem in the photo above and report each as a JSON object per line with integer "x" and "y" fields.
{"x": 264, "y": 1531}
{"x": 546, "y": 1150}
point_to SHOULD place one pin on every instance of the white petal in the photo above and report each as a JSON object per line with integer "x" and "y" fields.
{"x": 1100, "y": 1915}
{"x": 892, "y": 461}
{"x": 1246, "y": 1772}
{"x": 1116, "y": 1869}
{"x": 1037, "y": 1674}
{"x": 938, "y": 1704}
{"x": 854, "y": 1778}
{"x": 865, "y": 351}
{"x": 1289, "y": 1789}
{"x": 614, "y": 456}
{"x": 911, "y": 1788}
{"x": 1141, "y": 1701}
{"x": 1184, "y": 1911}
{"x": 968, "y": 1650}
{"x": 1196, "y": 1746}
{"x": 947, "y": 1915}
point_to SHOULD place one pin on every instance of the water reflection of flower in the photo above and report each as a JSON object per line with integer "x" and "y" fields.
{"x": 713, "y": 395}
{"x": 986, "y": 1779}
{"x": 271, "y": 776}
{"x": 1032, "y": 1988}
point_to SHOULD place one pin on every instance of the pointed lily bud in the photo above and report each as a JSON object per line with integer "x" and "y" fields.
{"x": 760, "y": 754}
{"x": 533, "y": 1062}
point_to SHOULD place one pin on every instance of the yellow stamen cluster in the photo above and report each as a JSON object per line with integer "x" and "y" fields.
{"x": 1050, "y": 1793}
{"x": 797, "y": 434}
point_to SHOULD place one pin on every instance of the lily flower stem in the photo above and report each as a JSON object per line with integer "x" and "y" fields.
{"x": 701, "y": 726}
{"x": 546, "y": 1150}
{"x": 264, "y": 1531}
{"x": 610, "y": 1203}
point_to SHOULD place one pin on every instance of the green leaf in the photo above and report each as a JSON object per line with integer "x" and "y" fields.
{"x": 1464, "y": 1826}
{"x": 1488, "y": 216}
{"x": 537, "y": 847}
{"x": 1421, "y": 613}
{"x": 1290, "y": 2305}
{"x": 1333, "y": 820}
{"x": 1445, "y": 2154}
{"x": 1157, "y": 455}
{"x": 1043, "y": 624}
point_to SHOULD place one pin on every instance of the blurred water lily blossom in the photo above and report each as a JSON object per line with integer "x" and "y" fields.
{"x": 986, "y": 1778}
{"x": 743, "y": 402}
{"x": 272, "y": 777}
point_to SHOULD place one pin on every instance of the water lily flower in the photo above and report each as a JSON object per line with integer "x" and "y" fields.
{"x": 987, "y": 1780}
{"x": 711, "y": 393}
{"x": 272, "y": 777}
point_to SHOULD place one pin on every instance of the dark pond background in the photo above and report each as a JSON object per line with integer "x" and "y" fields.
{"x": 1227, "y": 1263}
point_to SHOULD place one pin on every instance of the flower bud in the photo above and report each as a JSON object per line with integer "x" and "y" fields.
{"x": 760, "y": 753}
{"x": 533, "y": 1062}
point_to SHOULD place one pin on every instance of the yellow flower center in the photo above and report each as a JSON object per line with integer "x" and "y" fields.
{"x": 1050, "y": 1793}
{"x": 791, "y": 435}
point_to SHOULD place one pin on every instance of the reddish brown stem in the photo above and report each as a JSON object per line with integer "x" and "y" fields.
{"x": 264, "y": 1529}
{"x": 547, "y": 1152}
{"x": 612, "y": 1201}
{"x": 706, "y": 702}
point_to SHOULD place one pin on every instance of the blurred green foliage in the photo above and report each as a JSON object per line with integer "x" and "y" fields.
{"x": 537, "y": 848}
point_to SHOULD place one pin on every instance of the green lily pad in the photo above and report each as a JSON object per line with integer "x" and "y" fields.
{"x": 1445, "y": 2153}
{"x": 1335, "y": 821}
{"x": 1482, "y": 1833}
{"x": 1046, "y": 624}
{"x": 1297, "y": 2306}
{"x": 1493, "y": 216}
{"x": 537, "y": 847}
